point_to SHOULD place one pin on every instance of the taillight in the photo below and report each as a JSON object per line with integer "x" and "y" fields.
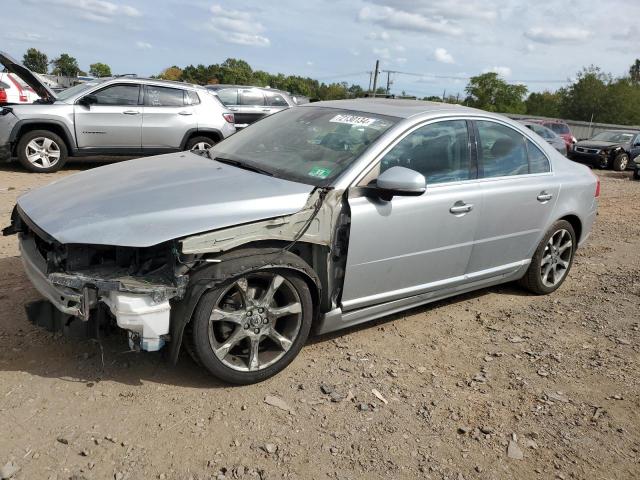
{"x": 3, "y": 95}
{"x": 597, "y": 195}
{"x": 229, "y": 117}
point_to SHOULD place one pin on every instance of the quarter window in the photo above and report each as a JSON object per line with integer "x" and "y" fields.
{"x": 439, "y": 151}
{"x": 118, "y": 95}
{"x": 276, "y": 100}
{"x": 503, "y": 151}
{"x": 163, "y": 97}
{"x": 538, "y": 161}
{"x": 191, "y": 98}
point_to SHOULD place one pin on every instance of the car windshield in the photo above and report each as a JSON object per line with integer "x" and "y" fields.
{"x": 75, "y": 90}
{"x": 614, "y": 137}
{"x": 558, "y": 127}
{"x": 311, "y": 145}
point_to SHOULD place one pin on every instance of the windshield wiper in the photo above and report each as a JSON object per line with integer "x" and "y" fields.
{"x": 242, "y": 165}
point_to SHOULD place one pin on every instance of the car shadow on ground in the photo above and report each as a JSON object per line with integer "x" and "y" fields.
{"x": 33, "y": 350}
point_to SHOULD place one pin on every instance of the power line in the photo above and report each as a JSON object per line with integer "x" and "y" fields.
{"x": 459, "y": 77}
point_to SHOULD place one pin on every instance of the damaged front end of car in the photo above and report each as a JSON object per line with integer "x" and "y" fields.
{"x": 134, "y": 284}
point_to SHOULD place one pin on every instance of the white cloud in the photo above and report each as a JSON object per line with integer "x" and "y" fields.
{"x": 23, "y": 36}
{"x": 309, "y": 63}
{"x": 144, "y": 45}
{"x": 441, "y": 55}
{"x": 235, "y": 26}
{"x": 391, "y": 18}
{"x": 502, "y": 71}
{"x": 379, "y": 36}
{"x": 552, "y": 35}
{"x": 100, "y": 11}
{"x": 383, "y": 53}
{"x": 475, "y": 9}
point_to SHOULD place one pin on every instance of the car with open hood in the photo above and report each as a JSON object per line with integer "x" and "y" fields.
{"x": 108, "y": 116}
{"x": 608, "y": 149}
{"x": 314, "y": 219}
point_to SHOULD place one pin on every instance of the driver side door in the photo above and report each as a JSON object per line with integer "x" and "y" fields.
{"x": 412, "y": 245}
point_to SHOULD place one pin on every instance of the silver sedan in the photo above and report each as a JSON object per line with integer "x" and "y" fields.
{"x": 315, "y": 219}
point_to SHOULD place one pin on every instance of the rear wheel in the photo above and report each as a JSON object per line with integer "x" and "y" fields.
{"x": 199, "y": 144}
{"x": 42, "y": 151}
{"x": 552, "y": 260}
{"x": 253, "y": 326}
{"x": 620, "y": 163}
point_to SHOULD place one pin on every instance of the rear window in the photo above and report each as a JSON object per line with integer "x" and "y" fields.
{"x": 558, "y": 127}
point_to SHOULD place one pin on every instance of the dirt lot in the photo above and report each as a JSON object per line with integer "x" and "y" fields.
{"x": 493, "y": 385}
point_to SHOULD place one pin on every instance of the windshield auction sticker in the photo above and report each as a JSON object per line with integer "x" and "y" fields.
{"x": 319, "y": 172}
{"x": 353, "y": 120}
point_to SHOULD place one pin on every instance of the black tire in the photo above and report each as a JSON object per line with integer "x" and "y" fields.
{"x": 532, "y": 280}
{"x": 57, "y": 145}
{"x": 199, "y": 344}
{"x": 636, "y": 174}
{"x": 195, "y": 141}
{"x": 621, "y": 162}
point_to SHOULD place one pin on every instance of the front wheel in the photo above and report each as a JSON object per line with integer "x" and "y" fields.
{"x": 42, "y": 151}
{"x": 620, "y": 163}
{"x": 552, "y": 260}
{"x": 253, "y": 326}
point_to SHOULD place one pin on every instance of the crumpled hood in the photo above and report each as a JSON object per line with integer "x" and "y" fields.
{"x": 139, "y": 203}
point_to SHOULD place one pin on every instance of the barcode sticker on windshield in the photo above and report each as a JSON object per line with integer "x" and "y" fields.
{"x": 353, "y": 120}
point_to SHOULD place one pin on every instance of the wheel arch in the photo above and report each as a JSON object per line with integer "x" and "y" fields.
{"x": 212, "y": 133}
{"x": 259, "y": 255}
{"x": 576, "y": 223}
{"x": 26, "y": 126}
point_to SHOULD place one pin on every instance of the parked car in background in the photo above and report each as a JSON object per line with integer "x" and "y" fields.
{"x": 551, "y": 137}
{"x": 560, "y": 128}
{"x": 321, "y": 217}
{"x": 109, "y": 116}
{"x": 14, "y": 90}
{"x": 250, "y": 104}
{"x": 608, "y": 149}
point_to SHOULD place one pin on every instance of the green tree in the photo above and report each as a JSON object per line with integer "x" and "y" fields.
{"x": 99, "y": 70}
{"x": 489, "y": 92}
{"x": 634, "y": 71}
{"x": 544, "y": 104}
{"x": 36, "y": 61}
{"x": 235, "y": 71}
{"x": 587, "y": 96}
{"x": 65, "y": 65}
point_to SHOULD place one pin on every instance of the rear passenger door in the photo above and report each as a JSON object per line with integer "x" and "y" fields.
{"x": 167, "y": 117}
{"x": 519, "y": 192}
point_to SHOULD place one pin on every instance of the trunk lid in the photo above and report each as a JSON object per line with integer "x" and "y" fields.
{"x": 29, "y": 77}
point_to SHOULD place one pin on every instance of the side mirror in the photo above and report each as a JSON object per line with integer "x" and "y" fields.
{"x": 88, "y": 100}
{"x": 400, "y": 181}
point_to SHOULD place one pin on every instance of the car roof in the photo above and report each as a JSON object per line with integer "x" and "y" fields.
{"x": 395, "y": 107}
{"x": 134, "y": 79}
{"x": 216, "y": 86}
{"x": 545, "y": 120}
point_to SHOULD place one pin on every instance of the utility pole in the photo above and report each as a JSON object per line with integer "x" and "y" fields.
{"x": 375, "y": 77}
{"x": 444, "y": 93}
{"x": 370, "y": 79}
{"x": 388, "y": 80}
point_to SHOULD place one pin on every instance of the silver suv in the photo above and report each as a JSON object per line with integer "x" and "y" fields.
{"x": 112, "y": 116}
{"x": 250, "y": 104}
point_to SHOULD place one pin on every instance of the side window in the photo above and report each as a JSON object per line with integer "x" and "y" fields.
{"x": 439, "y": 151}
{"x": 538, "y": 161}
{"x": 118, "y": 95}
{"x": 276, "y": 100}
{"x": 228, "y": 96}
{"x": 502, "y": 150}
{"x": 163, "y": 97}
{"x": 191, "y": 98}
{"x": 251, "y": 97}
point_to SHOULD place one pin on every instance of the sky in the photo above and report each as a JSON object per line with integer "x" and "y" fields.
{"x": 436, "y": 44}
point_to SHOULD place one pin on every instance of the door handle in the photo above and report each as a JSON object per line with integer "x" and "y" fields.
{"x": 233, "y": 109}
{"x": 544, "y": 197}
{"x": 131, "y": 112}
{"x": 185, "y": 113}
{"x": 460, "y": 208}
{"x": 266, "y": 109}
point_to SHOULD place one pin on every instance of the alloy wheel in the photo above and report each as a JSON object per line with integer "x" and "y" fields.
{"x": 556, "y": 258}
{"x": 201, "y": 146}
{"x": 42, "y": 152}
{"x": 255, "y": 321}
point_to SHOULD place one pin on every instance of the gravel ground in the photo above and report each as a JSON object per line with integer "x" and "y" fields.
{"x": 497, "y": 384}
